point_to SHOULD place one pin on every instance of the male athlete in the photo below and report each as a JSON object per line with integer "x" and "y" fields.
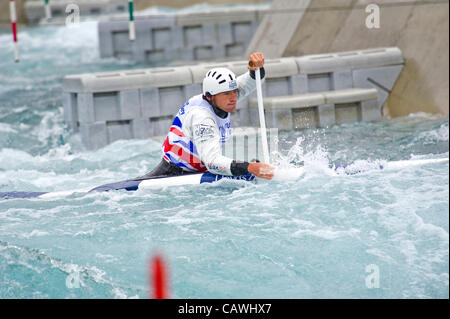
{"x": 193, "y": 143}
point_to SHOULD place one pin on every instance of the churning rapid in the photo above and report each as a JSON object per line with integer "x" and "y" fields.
{"x": 356, "y": 231}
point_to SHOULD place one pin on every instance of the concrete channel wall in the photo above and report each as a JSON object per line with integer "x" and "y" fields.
{"x": 32, "y": 11}
{"x": 194, "y": 36}
{"x": 419, "y": 28}
{"x": 106, "y": 107}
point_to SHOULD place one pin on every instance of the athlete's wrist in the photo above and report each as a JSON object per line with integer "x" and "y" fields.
{"x": 239, "y": 168}
{"x": 262, "y": 73}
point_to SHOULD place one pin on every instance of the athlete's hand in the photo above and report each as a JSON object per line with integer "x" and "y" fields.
{"x": 255, "y": 61}
{"x": 261, "y": 170}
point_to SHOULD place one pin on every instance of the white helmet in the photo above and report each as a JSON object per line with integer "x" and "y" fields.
{"x": 219, "y": 80}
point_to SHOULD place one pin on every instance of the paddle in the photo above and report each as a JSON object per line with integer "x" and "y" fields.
{"x": 262, "y": 120}
{"x": 284, "y": 174}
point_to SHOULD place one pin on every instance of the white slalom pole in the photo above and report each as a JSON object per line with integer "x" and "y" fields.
{"x": 262, "y": 119}
{"x": 48, "y": 12}
{"x": 13, "y": 15}
{"x": 132, "y": 32}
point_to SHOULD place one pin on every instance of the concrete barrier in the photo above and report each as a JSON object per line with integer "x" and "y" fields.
{"x": 320, "y": 109}
{"x": 205, "y": 35}
{"x": 35, "y": 12}
{"x": 373, "y": 68}
{"x": 141, "y": 103}
{"x": 418, "y": 28}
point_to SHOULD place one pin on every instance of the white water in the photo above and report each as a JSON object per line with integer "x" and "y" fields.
{"x": 308, "y": 238}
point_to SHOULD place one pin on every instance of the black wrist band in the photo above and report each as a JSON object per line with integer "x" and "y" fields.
{"x": 261, "y": 71}
{"x": 239, "y": 168}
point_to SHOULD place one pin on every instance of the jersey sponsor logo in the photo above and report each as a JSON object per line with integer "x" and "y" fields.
{"x": 204, "y": 131}
{"x": 217, "y": 168}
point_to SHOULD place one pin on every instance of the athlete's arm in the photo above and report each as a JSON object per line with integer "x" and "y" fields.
{"x": 246, "y": 82}
{"x": 206, "y": 138}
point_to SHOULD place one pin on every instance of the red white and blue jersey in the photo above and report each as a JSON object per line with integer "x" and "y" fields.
{"x": 179, "y": 147}
{"x": 195, "y": 138}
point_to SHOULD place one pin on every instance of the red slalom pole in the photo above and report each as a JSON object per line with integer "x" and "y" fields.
{"x": 158, "y": 271}
{"x": 13, "y": 15}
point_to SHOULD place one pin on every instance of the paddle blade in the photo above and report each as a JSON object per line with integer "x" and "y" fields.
{"x": 288, "y": 174}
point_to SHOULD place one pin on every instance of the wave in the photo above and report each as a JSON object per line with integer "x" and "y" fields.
{"x": 32, "y": 273}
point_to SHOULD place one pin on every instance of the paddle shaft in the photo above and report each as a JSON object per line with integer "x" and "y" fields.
{"x": 262, "y": 119}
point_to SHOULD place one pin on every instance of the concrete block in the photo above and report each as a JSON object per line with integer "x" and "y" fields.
{"x": 187, "y": 54}
{"x": 127, "y": 80}
{"x": 106, "y": 46}
{"x": 192, "y": 36}
{"x": 170, "y": 100}
{"x": 326, "y": 114}
{"x": 129, "y": 104}
{"x": 145, "y": 34}
{"x": 225, "y": 33}
{"x": 283, "y": 67}
{"x": 319, "y": 82}
{"x": 299, "y": 84}
{"x": 350, "y": 95}
{"x": 153, "y": 33}
{"x": 322, "y": 63}
{"x": 279, "y": 118}
{"x": 216, "y": 17}
{"x": 119, "y": 130}
{"x": 122, "y": 46}
{"x": 204, "y": 52}
{"x": 348, "y": 113}
{"x": 137, "y": 54}
{"x": 140, "y": 128}
{"x": 276, "y": 87}
{"x": 375, "y": 57}
{"x": 234, "y": 50}
{"x": 85, "y": 102}
{"x": 304, "y": 118}
{"x": 350, "y": 60}
{"x": 168, "y": 77}
{"x": 209, "y": 34}
{"x": 161, "y": 38}
{"x": 160, "y": 126}
{"x": 242, "y": 32}
{"x": 155, "y": 56}
{"x": 341, "y": 80}
{"x": 94, "y": 135}
{"x": 370, "y": 111}
{"x": 106, "y": 106}
{"x": 149, "y": 102}
{"x": 192, "y": 89}
{"x": 290, "y": 102}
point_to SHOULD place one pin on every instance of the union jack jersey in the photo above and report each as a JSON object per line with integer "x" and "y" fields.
{"x": 179, "y": 147}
